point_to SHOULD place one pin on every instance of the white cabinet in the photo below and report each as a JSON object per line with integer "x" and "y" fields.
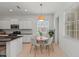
{"x": 14, "y": 21}
{"x": 14, "y": 47}
{"x": 25, "y": 24}
{"x": 4, "y": 24}
{"x": 27, "y": 38}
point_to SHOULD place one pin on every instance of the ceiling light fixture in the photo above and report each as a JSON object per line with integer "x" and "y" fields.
{"x": 10, "y": 10}
{"x": 25, "y": 10}
{"x": 41, "y": 17}
{"x": 18, "y": 7}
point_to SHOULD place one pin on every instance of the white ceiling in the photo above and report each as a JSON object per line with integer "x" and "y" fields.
{"x": 32, "y": 7}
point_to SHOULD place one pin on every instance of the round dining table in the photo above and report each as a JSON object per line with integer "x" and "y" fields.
{"x": 41, "y": 39}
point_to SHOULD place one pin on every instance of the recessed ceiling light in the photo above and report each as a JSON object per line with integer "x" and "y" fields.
{"x": 10, "y": 10}
{"x": 18, "y": 7}
{"x": 25, "y": 10}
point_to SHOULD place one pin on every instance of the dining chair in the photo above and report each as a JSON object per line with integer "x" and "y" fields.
{"x": 48, "y": 45}
{"x": 34, "y": 45}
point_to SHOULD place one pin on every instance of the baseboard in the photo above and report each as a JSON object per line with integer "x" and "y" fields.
{"x": 26, "y": 42}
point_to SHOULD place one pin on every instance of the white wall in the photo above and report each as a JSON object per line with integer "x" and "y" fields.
{"x": 68, "y": 45}
{"x": 32, "y": 18}
{"x": 61, "y": 25}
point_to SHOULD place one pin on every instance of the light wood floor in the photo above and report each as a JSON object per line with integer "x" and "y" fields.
{"x": 45, "y": 53}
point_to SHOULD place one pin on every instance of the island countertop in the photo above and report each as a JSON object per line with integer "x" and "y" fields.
{"x": 13, "y": 44}
{"x": 6, "y": 38}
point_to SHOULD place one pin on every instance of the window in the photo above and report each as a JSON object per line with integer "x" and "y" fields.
{"x": 43, "y": 26}
{"x": 72, "y": 24}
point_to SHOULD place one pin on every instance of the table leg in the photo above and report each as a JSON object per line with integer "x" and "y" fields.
{"x": 41, "y": 48}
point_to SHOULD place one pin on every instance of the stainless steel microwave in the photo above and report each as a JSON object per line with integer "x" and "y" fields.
{"x": 14, "y": 26}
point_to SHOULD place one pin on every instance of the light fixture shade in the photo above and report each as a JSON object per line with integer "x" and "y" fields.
{"x": 41, "y": 17}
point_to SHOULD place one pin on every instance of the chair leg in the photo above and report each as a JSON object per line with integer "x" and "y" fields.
{"x": 48, "y": 51}
{"x": 35, "y": 50}
{"x": 41, "y": 48}
{"x": 52, "y": 47}
{"x": 31, "y": 49}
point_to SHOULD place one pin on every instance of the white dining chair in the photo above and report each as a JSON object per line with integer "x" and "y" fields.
{"x": 48, "y": 45}
{"x": 34, "y": 45}
{"x": 49, "y": 41}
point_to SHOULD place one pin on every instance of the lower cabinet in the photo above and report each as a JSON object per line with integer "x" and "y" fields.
{"x": 27, "y": 38}
{"x": 14, "y": 47}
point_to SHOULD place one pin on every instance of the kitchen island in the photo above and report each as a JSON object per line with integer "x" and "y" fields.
{"x": 13, "y": 45}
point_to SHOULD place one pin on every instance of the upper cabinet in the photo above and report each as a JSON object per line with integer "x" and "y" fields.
{"x": 25, "y": 24}
{"x": 14, "y": 21}
{"x": 4, "y": 24}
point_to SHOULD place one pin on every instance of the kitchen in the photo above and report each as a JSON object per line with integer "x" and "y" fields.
{"x": 14, "y": 34}
{"x": 17, "y": 26}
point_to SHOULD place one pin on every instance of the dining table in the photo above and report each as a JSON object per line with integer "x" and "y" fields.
{"x": 41, "y": 39}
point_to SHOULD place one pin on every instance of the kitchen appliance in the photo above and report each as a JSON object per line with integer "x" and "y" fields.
{"x": 14, "y": 26}
{"x": 16, "y": 32}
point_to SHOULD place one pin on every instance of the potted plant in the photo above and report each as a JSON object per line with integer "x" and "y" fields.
{"x": 40, "y": 33}
{"x": 51, "y": 33}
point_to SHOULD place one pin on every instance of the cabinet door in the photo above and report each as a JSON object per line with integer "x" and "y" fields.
{"x": 25, "y": 24}
{"x": 27, "y": 38}
{"x": 4, "y": 24}
{"x": 14, "y": 21}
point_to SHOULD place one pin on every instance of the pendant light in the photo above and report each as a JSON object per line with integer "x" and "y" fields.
{"x": 41, "y": 17}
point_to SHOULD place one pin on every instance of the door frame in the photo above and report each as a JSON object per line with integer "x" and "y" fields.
{"x": 57, "y": 30}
